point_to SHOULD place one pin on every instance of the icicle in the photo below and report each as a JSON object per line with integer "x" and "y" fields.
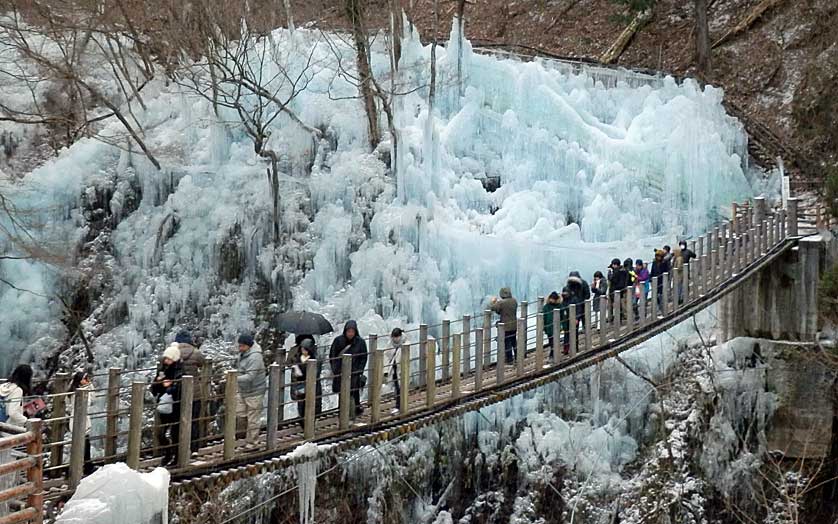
{"x": 307, "y": 483}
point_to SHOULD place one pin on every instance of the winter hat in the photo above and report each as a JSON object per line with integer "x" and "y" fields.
{"x": 246, "y": 339}
{"x": 172, "y": 352}
{"x": 638, "y": 262}
{"x": 307, "y": 344}
{"x": 397, "y": 332}
{"x": 683, "y": 244}
{"x": 616, "y": 262}
{"x": 183, "y": 337}
{"x": 554, "y": 295}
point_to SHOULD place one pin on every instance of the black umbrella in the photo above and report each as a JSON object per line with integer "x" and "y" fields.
{"x": 303, "y": 323}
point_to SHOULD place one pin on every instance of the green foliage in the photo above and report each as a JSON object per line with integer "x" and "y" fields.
{"x": 828, "y": 294}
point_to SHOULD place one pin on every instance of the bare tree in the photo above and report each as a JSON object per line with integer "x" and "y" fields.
{"x": 702, "y": 39}
{"x": 355, "y": 12}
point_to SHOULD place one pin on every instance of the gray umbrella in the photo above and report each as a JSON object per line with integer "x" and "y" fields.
{"x": 303, "y": 323}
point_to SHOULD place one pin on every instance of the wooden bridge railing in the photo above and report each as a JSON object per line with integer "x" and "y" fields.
{"x": 468, "y": 357}
{"x": 21, "y": 447}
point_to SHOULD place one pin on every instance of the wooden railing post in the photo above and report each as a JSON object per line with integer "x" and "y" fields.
{"x": 589, "y": 318}
{"x": 404, "y": 381}
{"x": 35, "y": 474}
{"x": 487, "y": 338}
{"x": 783, "y": 225}
{"x": 653, "y": 309}
{"x": 346, "y": 405}
{"x": 478, "y": 359}
{"x": 714, "y": 268}
{"x": 187, "y": 395}
{"x": 539, "y": 341}
{"x": 685, "y": 275}
{"x": 557, "y": 335}
{"x": 677, "y": 291}
{"x": 525, "y": 309}
{"x": 59, "y": 411}
{"x": 734, "y": 218}
{"x": 112, "y": 408}
{"x": 667, "y": 292}
{"x": 521, "y": 342}
{"x": 423, "y": 354}
{"x": 204, "y": 392}
{"x": 445, "y": 349}
{"x": 456, "y": 359}
{"x": 466, "y": 345}
{"x": 430, "y": 378}
{"x": 275, "y": 371}
{"x": 571, "y": 325}
{"x": 135, "y": 424}
{"x": 311, "y": 397}
{"x": 628, "y": 306}
{"x": 77, "y": 439}
{"x": 231, "y": 391}
{"x": 617, "y": 325}
{"x": 603, "y": 319}
{"x": 372, "y": 347}
{"x": 641, "y": 305}
{"x": 540, "y": 303}
{"x": 700, "y": 252}
{"x": 377, "y": 383}
{"x": 501, "y": 353}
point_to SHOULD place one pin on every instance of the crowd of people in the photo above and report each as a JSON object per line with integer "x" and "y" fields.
{"x": 182, "y": 357}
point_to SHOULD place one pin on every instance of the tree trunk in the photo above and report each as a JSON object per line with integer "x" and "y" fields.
{"x": 432, "y": 93}
{"x": 461, "y": 9}
{"x": 289, "y": 15}
{"x": 396, "y": 30}
{"x": 702, "y": 39}
{"x": 355, "y": 13}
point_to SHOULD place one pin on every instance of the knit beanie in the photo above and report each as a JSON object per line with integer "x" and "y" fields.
{"x": 246, "y": 339}
{"x": 183, "y": 337}
{"x": 172, "y": 352}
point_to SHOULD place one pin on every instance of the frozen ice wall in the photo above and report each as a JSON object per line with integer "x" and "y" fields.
{"x": 591, "y": 164}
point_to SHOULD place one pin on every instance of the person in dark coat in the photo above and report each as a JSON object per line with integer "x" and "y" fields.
{"x": 166, "y": 391}
{"x": 577, "y": 289}
{"x": 294, "y": 353}
{"x": 599, "y": 288}
{"x": 507, "y": 308}
{"x": 553, "y": 303}
{"x": 299, "y": 372}
{"x": 618, "y": 280}
{"x": 350, "y": 343}
{"x": 687, "y": 253}
{"x": 659, "y": 267}
{"x": 564, "y": 316}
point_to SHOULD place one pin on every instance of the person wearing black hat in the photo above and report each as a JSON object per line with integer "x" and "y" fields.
{"x": 350, "y": 343}
{"x": 252, "y": 385}
{"x": 618, "y": 280}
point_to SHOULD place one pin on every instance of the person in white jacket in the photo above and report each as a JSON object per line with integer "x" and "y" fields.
{"x": 12, "y": 393}
{"x": 81, "y": 380}
{"x": 393, "y": 356}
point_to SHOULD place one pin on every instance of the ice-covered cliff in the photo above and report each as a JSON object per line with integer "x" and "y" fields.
{"x": 591, "y": 164}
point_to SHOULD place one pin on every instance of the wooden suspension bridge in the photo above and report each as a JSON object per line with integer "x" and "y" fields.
{"x": 462, "y": 370}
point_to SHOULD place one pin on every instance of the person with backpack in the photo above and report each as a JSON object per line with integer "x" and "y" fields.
{"x": 81, "y": 381}
{"x": 12, "y": 393}
{"x": 299, "y": 373}
{"x": 166, "y": 390}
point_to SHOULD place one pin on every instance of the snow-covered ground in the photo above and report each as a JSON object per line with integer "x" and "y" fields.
{"x": 589, "y": 170}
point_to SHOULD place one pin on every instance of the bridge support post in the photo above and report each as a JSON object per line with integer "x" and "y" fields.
{"x": 346, "y": 405}
{"x": 466, "y": 345}
{"x": 574, "y": 329}
{"x": 525, "y": 309}
{"x": 376, "y": 385}
{"x": 501, "y": 353}
{"x": 231, "y": 390}
{"x": 275, "y": 371}
{"x": 135, "y": 424}
{"x": 700, "y": 252}
{"x": 59, "y": 411}
{"x": 445, "y": 349}
{"x": 80, "y": 397}
{"x": 456, "y": 359}
{"x": 666, "y": 295}
{"x": 641, "y": 305}
{"x": 372, "y": 347}
{"x": 539, "y": 341}
{"x": 430, "y": 378}
{"x": 487, "y": 338}
{"x": 404, "y": 383}
{"x": 557, "y": 336}
{"x": 540, "y": 301}
{"x": 423, "y": 353}
{"x": 588, "y": 329}
{"x": 521, "y": 352}
{"x": 478, "y": 359}
{"x": 602, "y": 317}
{"x": 112, "y": 408}
{"x": 187, "y": 395}
{"x": 311, "y": 398}
{"x": 685, "y": 276}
